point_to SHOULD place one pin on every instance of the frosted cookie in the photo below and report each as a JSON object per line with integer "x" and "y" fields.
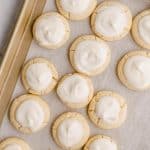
{"x": 75, "y": 90}
{"x": 89, "y": 55}
{"x": 70, "y": 131}
{"x": 111, "y": 20}
{"x": 107, "y": 110}
{"x": 134, "y": 70}
{"x": 14, "y": 143}
{"x": 100, "y": 142}
{"x": 39, "y": 76}
{"x": 141, "y": 29}
{"x": 29, "y": 113}
{"x": 51, "y": 30}
{"x": 76, "y": 9}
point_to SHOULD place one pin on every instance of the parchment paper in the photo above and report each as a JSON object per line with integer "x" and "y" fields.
{"x": 135, "y": 132}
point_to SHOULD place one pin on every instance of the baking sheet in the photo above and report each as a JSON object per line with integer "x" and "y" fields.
{"x": 135, "y": 132}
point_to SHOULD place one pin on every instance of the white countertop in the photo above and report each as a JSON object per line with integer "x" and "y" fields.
{"x": 9, "y": 11}
{"x": 135, "y": 132}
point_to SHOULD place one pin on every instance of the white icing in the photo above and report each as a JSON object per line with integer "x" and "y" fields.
{"x": 13, "y": 147}
{"x": 50, "y": 30}
{"x": 108, "y": 108}
{"x": 102, "y": 144}
{"x": 39, "y": 76}
{"x": 75, "y": 6}
{"x": 30, "y": 115}
{"x": 90, "y": 55}
{"x": 111, "y": 20}
{"x": 137, "y": 71}
{"x": 74, "y": 89}
{"x": 70, "y": 132}
{"x": 144, "y": 28}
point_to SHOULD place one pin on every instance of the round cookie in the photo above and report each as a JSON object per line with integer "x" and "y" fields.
{"x": 51, "y": 30}
{"x": 141, "y": 29}
{"x": 89, "y": 55}
{"x": 14, "y": 143}
{"x": 133, "y": 70}
{"x": 39, "y": 76}
{"x": 70, "y": 131}
{"x": 29, "y": 113}
{"x": 111, "y": 20}
{"x": 100, "y": 142}
{"x": 75, "y": 90}
{"x": 107, "y": 110}
{"x": 76, "y": 10}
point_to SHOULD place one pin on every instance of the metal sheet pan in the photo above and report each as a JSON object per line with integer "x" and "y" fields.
{"x": 135, "y": 132}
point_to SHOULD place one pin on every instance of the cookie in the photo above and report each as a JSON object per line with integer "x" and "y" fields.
{"x": 39, "y": 76}
{"x": 51, "y": 30}
{"x": 76, "y": 10}
{"x": 100, "y": 142}
{"x": 70, "y": 131}
{"x": 111, "y": 20}
{"x": 133, "y": 70}
{"x": 89, "y": 55}
{"x": 141, "y": 29}
{"x": 107, "y": 110}
{"x": 29, "y": 113}
{"x": 75, "y": 90}
{"x": 14, "y": 143}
